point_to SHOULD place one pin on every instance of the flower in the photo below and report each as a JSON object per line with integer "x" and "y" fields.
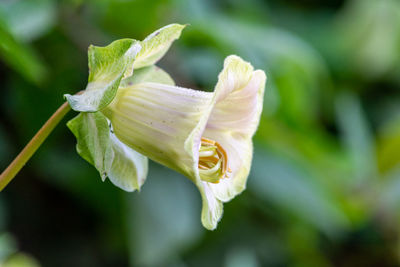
{"x": 205, "y": 136}
{"x": 132, "y": 110}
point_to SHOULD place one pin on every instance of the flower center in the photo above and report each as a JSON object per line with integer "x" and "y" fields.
{"x": 213, "y": 161}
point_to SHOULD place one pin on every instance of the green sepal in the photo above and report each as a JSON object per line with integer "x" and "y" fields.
{"x": 126, "y": 168}
{"x": 93, "y": 140}
{"x": 129, "y": 167}
{"x": 107, "y": 67}
{"x": 157, "y": 44}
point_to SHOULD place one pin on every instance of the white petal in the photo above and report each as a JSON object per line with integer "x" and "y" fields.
{"x": 240, "y": 155}
{"x": 212, "y": 208}
{"x": 240, "y": 95}
{"x": 234, "y": 120}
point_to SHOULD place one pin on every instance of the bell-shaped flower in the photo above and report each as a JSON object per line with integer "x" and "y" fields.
{"x": 132, "y": 110}
{"x": 205, "y": 136}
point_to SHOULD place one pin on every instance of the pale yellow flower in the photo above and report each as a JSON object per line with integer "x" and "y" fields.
{"x": 205, "y": 136}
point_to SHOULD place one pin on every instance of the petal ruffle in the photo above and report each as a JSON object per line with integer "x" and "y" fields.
{"x": 234, "y": 120}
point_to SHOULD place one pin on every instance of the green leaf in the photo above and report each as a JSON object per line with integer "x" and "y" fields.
{"x": 148, "y": 74}
{"x": 21, "y": 260}
{"x": 20, "y": 56}
{"x": 388, "y": 146}
{"x": 8, "y": 246}
{"x": 292, "y": 188}
{"x": 157, "y": 44}
{"x": 107, "y": 66}
{"x": 29, "y": 20}
{"x": 94, "y": 145}
{"x": 357, "y": 136}
{"x": 126, "y": 168}
{"x": 241, "y": 256}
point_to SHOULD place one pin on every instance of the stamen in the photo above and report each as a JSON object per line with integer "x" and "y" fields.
{"x": 202, "y": 167}
{"x": 207, "y": 153}
{"x": 207, "y": 141}
{"x": 222, "y": 154}
{"x": 213, "y": 161}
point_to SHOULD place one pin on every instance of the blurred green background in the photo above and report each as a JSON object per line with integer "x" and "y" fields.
{"x": 325, "y": 184}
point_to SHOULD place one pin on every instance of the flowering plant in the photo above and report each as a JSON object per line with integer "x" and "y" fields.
{"x": 132, "y": 110}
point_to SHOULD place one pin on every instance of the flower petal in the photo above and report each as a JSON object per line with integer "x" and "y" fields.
{"x": 240, "y": 155}
{"x": 212, "y": 208}
{"x": 234, "y": 120}
{"x": 240, "y": 93}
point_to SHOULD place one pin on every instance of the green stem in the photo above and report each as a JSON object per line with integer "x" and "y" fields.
{"x": 19, "y": 162}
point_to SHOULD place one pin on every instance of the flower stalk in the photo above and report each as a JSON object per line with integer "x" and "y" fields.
{"x": 19, "y": 162}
